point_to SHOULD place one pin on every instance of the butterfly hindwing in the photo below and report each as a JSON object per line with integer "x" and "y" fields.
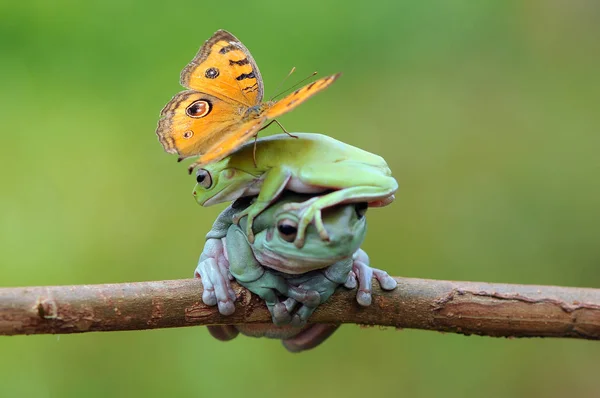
{"x": 224, "y": 68}
{"x": 191, "y": 122}
{"x": 228, "y": 141}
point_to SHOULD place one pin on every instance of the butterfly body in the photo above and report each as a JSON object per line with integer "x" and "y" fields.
{"x": 223, "y": 106}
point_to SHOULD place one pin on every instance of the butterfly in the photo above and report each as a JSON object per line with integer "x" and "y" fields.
{"x": 223, "y": 106}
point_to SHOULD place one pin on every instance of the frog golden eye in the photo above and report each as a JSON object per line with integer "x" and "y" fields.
{"x": 287, "y": 229}
{"x": 203, "y": 178}
{"x": 198, "y": 109}
{"x": 361, "y": 209}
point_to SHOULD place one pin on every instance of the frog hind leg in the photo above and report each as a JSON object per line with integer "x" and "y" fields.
{"x": 223, "y": 332}
{"x": 310, "y": 337}
{"x": 357, "y": 183}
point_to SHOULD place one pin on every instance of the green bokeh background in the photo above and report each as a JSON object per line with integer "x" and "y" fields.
{"x": 487, "y": 112}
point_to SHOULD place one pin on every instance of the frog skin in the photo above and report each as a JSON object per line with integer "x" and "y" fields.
{"x": 310, "y": 276}
{"x": 304, "y": 163}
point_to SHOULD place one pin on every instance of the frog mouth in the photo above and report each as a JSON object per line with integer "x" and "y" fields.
{"x": 292, "y": 264}
{"x": 227, "y": 194}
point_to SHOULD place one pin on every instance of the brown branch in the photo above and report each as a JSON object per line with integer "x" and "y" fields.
{"x": 460, "y": 307}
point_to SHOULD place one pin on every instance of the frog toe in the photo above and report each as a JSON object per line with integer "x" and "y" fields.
{"x": 209, "y": 297}
{"x": 318, "y": 220}
{"x": 238, "y": 216}
{"x": 385, "y": 281}
{"x": 280, "y": 314}
{"x": 301, "y": 316}
{"x": 312, "y": 298}
{"x": 226, "y": 307}
{"x": 351, "y": 282}
{"x": 363, "y": 297}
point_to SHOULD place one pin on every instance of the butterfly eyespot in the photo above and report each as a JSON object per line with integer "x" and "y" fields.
{"x": 211, "y": 73}
{"x": 203, "y": 178}
{"x": 198, "y": 109}
{"x": 188, "y": 134}
{"x": 287, "y": 229}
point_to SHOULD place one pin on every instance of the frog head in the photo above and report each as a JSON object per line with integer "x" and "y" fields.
{"x": 220, "y": 182}
{"x": 274, "y": 245}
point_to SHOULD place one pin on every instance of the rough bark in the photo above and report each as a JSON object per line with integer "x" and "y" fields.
{"x": 459, "y": 307}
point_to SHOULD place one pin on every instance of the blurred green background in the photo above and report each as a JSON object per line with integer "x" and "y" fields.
{"x": 487, "y": 112}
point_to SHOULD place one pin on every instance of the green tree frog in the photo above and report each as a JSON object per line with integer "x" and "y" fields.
{"x": 293, "y": 281}
{"x": 304, "y": 163}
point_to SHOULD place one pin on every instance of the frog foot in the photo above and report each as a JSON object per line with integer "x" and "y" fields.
{"x": 310, "y": 337}
{"x": 308, "y": 212}
{"x": 213, "y": 270}
{"x": 362, "y": 272}
{"x": 251, "y": 213}
{"x": 280, "y": 315}
{"x": 301, "y": 316}
{"x": 223, "y": 332}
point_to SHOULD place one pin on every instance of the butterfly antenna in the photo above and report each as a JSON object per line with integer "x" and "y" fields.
{"x": 294, "y": 86}
{"x": 283, "y": 81}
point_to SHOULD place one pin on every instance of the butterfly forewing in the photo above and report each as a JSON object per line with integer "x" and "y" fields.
{"x": 225, "y": 68}
{"x": 299, "y": 96}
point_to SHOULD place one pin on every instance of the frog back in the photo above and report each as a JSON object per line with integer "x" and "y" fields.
{"x": 313, "y": 148}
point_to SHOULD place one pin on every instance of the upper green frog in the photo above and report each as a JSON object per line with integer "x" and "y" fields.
{"x": 283, "y": 274}
{"x": 303, "y": 163}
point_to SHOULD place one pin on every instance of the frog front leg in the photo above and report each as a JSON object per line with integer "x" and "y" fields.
{"x": 363, "y": 273}
{"x": 213, "y": 270}
{"x": 267, "y": 285}
{"x": 274, "y": 182}
{"x": 355, "y": 182}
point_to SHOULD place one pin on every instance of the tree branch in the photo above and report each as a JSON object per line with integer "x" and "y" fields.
{"x": 460, "y": 307}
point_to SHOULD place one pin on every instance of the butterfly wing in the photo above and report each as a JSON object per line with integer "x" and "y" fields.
{"x": 192, "y": 123}
{"x": 299, "y": 96}
{"x": 224, "y": 68}
{"x": 229, "y": 140}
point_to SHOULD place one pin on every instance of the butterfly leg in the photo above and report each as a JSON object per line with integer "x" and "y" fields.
{"x": 254, "y": 150}
{"x": 266, "y": 125}
{"x": 284, "y": 130}
{"x": 281, "y": 126}
{"x": 192, "y": 166}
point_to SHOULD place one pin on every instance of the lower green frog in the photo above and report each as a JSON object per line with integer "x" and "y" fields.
{"x": 293, "y": 281}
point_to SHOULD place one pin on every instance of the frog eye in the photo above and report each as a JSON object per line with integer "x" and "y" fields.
{"x": 287, "y": 229}
{"x": 361, "y": 209}
{"x": 203, "y": 178}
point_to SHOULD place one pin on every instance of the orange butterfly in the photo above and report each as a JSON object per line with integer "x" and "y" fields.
{"x": 223, "y": 107}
